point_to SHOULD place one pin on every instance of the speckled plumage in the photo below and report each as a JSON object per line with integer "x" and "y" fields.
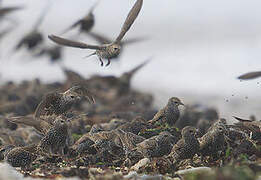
{"x": 56, "y": 139}
{"x": 105, "y": 51}
{"x": 170, "y": 113}
{"x": 186, "y": 147}
{"x": 214, "y": 140}
{"x": 21, "y": 156}
{"x": 55, "y": 104}
{"x": 157, "y": 146}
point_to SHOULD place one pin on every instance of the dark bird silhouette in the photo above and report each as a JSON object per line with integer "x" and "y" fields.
{"x": 86, "y": 23}
{"x": 170, "y": 113}
{"x": 105, "y": 51}
{"x": 250, "y": 75}
{"x": 186, "y": 147}
{"x": 54, "y": 53}
{"x": 6, "y": 10}
{"x": 34, "y": 38}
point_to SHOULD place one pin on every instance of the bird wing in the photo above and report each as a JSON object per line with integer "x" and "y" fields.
{"x": 134, "y": 12}
{"x": 72, "y": 26}
{"x": 47, "y": 106}
{"x": 39, "y": 125}
{"x": 133, "y": 40}
{"x": 159, "y": 115}
{"x": 250, "y": 75}
{"x": 70, "y": 43}
{"x": 100, "y": 38}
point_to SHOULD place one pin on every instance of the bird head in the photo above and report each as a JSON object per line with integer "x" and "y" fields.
{"x": 175, "y": 101}
{"x": 189, "y": 131}
{"x": 114, "y": 49}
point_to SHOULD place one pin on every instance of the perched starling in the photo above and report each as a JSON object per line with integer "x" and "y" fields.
{"x": 86, "y": 23}
{"x": 252, "y": 128}
{"x": 186, "y": 147}
{"x": 157, "y": 146}
{"x": 56, "y": 139}
{"x": 250, "y": 75}
{"x": 213, "y": 141}
{"x": 21, "y": 156}
{"x": 170, "y": 113}
{"x": 105, "y": 51}
{"x": 55, "y": 104}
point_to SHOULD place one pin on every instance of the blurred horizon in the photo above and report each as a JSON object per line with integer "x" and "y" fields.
{"x": 199, "y": 48}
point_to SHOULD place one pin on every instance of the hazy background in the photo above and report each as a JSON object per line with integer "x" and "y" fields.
{"x": 199, "y": 48}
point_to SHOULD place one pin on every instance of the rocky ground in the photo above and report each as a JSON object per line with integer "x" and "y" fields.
{"x": 117, "y": 137}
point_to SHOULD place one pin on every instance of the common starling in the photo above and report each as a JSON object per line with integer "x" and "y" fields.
{"x": 135, "y": 126}
{"x": 55, "y": 104}
{"x": 170, "y": 113}
{"x": 252, "y": 128}
{"x": 86, "y": 23}
{"x": 54, "y": 53}
{"x": 101, "y": 39}
{"x": 105, "y": 51}
{"x": 186, "y": 147}
{"x": 21, "y": 156}
{"x": 56, "y": 139}
{"x": 157, "y": 146}
{"x": 34, "y": 38}
{"x": 213, "y": 141}
{"x": 250, "y": 75}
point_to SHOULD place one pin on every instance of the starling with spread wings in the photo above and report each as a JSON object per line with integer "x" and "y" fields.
{"x": 105, "y": 51}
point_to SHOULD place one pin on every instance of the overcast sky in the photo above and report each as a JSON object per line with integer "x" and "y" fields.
{"x": 199, "y": 47}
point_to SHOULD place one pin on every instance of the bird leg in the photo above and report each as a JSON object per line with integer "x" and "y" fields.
{"x": 101, "y": 61}
{"x": 108, "y": 63}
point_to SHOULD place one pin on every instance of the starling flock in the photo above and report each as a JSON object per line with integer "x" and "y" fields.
{"x": 101, "y": 121}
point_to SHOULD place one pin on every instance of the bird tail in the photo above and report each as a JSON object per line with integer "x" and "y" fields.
{"x": 90, "y": 55}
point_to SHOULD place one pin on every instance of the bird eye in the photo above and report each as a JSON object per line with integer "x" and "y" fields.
{"x": 220, "y": 129}
{"x": 72, "y": 97}
{"x": 115, "y": 48}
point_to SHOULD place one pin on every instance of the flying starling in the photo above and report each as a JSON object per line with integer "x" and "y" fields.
{"x": 186, "y": 147}
{"x": 250, "y": 75}
{"x": 170, "y": 113}
{"x": 55, "y": 104}
{"x": 101, "y": 39}
{"x": 54, "y": 53}
{"x": 86, "y": 23}
{"x": 105, "y": 51}
{"x": 34, "y": 38}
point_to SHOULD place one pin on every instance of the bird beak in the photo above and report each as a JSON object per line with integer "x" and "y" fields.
{"x": 181, "y": 104}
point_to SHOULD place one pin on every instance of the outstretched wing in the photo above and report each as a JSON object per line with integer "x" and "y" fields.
{"x": 134, "y": 12}
{"x": 70, "y": 43}
{"x": 250, "y": 75}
